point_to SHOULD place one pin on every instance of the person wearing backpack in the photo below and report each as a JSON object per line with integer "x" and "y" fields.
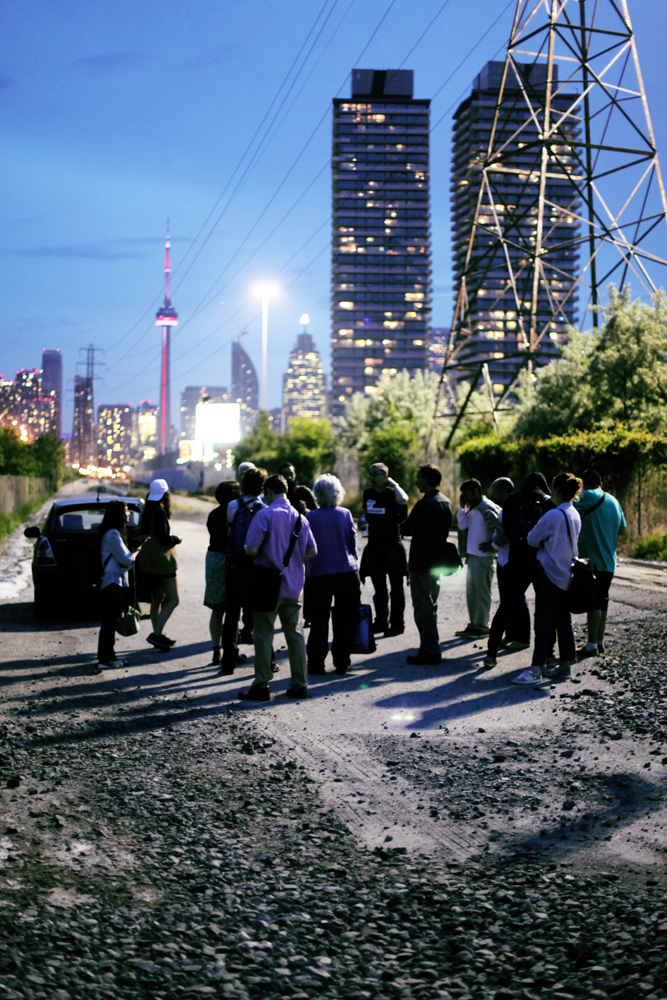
{"x": 521, "y": 512}
{"x": 555, "y": 539}
{"x": 215, "y": 595}
{"x": 116, "y": 559}
{"x": 239, "y": 563}
{"x": 602, "y": 521}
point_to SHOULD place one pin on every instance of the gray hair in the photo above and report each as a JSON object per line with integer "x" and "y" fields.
{"x": 328, "y": 491}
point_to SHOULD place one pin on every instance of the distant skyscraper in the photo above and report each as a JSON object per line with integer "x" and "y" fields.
{"x": 166, "y": 318}
{"x": 83, "y": 446}
{"x": 7, "y": 402}
{"x": 492, "y": 305}
{"x": 114, "y": 436}
{"x": 245, "y": 387}
{"x": 437, "y": 348}
{"x": 34, "y": 409}
{"x": 190, "y": 397}
{"x": 144, "y": 433}
{"x": 381, "y": 257}
{"x": 304, "y": 387}
{"x": 52, "y": 383}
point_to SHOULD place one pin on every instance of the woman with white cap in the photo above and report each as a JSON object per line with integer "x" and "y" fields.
{"x": 158, "y": 561}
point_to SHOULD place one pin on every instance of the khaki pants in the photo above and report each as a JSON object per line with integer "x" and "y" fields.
{"x": 479, "y": 578}
{"x": 425, "y": 589}
{"x": 263, "y": 623}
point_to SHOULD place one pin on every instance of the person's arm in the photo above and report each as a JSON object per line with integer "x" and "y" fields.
{"x": 540, "y": 532}
{"x": 311, "y": 544}
{"x": 119, "y": 549}
{"x": 256, "y": 534}
{"x": 352, "y": 537}
{"x": 622, "y": 530}
{"x": 399, "y": 492}
{"x": 307, "y": 496}
{"x": 411, "y": 521}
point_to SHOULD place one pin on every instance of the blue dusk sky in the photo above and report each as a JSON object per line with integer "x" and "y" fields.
{"x": 117, "y": 115}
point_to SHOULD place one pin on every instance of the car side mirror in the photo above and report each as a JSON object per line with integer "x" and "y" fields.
{"x": 32, "y": 532}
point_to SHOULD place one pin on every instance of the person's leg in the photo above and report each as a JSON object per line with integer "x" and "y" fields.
{"x": 169, "y": 605}
{"x": 347, "y": 594}
{"x": 597, "y": 619}
{"x": 317, "y": 595}
{"x": 380, "y": 600}
{"x": 424, "y": 590}
{"x": 263, "y": 628}
{"x": 565, "y": 633}
{"x": 520, "y": 577}
{"x": 471, "y": 600}
{"x": 289, "y": 612}
{"x": 396, "y": 577}
{"x": 112, "y": 604}
{"x": 547, "y": 601}
{"x": 215, "y": 628}
{"x": 500, "y": 618}
{"x": 157, "y": 597}
{"x": 478, "y": 590}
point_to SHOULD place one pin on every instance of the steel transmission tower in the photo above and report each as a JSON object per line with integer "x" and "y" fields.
{"x": 166, "y": 318}
{"x": 571, "y": 117}
{"x": 83, "y": 448}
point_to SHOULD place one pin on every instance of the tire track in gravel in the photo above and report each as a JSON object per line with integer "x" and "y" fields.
{"x": 357, "y": 786}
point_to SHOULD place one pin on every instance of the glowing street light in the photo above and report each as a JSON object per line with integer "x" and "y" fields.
{"x": 265, "y": 291}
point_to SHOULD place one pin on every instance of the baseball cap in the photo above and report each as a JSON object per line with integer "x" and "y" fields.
{"x": 158, "y": 489}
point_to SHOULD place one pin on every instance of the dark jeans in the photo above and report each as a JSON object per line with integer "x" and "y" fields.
{"x": 602, "y": 584}
{"x": 345, "y": 590}
{"x": 393, "y": 568}
{"x": 238, "y": 578}
{"x": 424, "y": 589}
{"x": 551, "y": 614}
{"x": 113, "y": 602}
{"x": 500, "y": 620}
{"x": 519, "y": 578}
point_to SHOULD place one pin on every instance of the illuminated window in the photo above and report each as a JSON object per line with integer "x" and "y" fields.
{"x": 418, "y": 343}
{"x": 414, "y": 296}
{"x": 346, "y": 305}
{"x": 411, "y": 315}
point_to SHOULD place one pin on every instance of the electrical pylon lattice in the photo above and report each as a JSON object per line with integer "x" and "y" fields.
{"x": 568, "y": 196}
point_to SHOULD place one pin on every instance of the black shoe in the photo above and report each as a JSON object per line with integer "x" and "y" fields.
{"x": 169, "y": 642}
{"x": 317, "y": 671}
{"x": 394, "y": 630}
{"x": 583, "y": 653}
{"x": 227, "y": 669}
{"x": 274, "y": 667}
{"x": 601, "y": 649}
{"x": 258, "y": 692}
{"x": 379, "y": 627}
{"x": 241, "y": 658}
{"x": 158, "y": 642}
{"x": 424, "y": 661}
{"x": 215, "y": 662}
{"x": 296, "y": 691}
{"x": 245, "y": 637}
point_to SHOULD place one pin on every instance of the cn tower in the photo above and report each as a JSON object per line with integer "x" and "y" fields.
{"x": 166, "y": 317}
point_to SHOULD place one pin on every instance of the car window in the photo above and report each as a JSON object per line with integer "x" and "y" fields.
{"x": 89, "y": 520}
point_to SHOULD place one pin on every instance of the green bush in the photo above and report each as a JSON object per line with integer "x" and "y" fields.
{"x": 43, "y": 458}
{"x": 308, "y": 445}
{"x": 651, "y": 547}
{"x": 618, "y": 455}
{"x": 10, "y": 522}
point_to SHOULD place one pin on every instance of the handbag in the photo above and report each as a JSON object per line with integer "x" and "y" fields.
{"x": 127, "y": 623}
{"x": 264, "y": 589}
{"x": 155, "y": 558}
{"x": 449, "y": 562}
{"x": 364, "y": 640}
{"x": 581, "y": 592}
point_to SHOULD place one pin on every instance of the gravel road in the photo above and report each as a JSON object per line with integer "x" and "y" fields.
{"x": 406, "y": 832}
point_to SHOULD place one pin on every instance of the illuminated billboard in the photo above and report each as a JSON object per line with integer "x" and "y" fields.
{"x": 218, "y": 423}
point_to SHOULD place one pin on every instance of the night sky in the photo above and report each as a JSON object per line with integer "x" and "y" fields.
{"x": 115, "y": 116}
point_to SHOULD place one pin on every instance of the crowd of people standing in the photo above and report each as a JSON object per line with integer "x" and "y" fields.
{"x": 279, "y": 550}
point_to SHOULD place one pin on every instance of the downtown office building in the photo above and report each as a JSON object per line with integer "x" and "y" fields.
{"x": 493, "y": 308}
{"x": 381, "y": 249}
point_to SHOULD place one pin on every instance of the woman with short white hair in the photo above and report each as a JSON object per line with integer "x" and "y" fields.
{"x": 333, "y": 575}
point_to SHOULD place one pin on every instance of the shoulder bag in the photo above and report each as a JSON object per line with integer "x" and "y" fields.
{"x": 581, "y": 592}
{"x": 595, "y": 506}
{"x": 128, "y": 620}
{"x": 264, "y": 589}
{"x": 160, "y": 560}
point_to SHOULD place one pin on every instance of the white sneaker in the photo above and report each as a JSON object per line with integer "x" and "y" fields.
{"x": 528, "y": 677}
{"x": 113, "y": 665}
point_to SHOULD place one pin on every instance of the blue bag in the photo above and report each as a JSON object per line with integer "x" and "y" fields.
{"x": 364, "y": 640}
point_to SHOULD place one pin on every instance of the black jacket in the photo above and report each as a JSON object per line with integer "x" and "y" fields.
{"x": 429, "y": 524}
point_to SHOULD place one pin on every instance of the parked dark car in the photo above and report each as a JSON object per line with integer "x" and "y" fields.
{"x": 66, "y": 558}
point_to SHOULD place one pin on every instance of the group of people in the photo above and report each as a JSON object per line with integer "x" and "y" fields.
{"x": 278, "y": 550}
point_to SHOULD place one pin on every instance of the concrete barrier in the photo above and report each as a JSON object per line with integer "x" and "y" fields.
{"x": 17, "y": 490}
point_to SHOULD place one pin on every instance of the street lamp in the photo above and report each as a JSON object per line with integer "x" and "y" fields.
{"x": 264, "y": 291}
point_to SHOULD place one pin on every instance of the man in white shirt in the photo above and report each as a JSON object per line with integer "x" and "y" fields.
{"x": 477, "y": 517}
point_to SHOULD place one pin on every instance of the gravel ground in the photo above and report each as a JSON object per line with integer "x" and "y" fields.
{"x": 161, "y": 851}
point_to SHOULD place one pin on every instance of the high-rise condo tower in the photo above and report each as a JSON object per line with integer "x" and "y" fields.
{"x": 381, "y": 249}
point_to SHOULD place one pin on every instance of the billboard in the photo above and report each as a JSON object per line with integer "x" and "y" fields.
{"x": 218, "y": 423}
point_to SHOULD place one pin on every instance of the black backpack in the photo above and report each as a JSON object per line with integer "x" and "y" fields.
{"x": 238, "y": 530}
{"x": 526, "y": 518}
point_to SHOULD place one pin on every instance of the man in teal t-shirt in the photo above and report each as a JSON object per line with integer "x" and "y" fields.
{"x": 602, "y": 521}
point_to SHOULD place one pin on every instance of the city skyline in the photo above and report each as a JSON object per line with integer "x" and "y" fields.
{"x": 84, "y": 248}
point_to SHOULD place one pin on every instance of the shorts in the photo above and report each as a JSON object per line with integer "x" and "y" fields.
{"x": 602, "y": 585}
{"x": 154, "y": 580}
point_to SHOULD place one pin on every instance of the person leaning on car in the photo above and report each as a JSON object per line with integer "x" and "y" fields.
{"x": 429, "y": 524}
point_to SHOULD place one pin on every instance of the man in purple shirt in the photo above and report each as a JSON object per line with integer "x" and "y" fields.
{"x": 267, "y": 541}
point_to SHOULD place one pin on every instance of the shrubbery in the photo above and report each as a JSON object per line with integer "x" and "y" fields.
{"x": 43, "y": 458}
